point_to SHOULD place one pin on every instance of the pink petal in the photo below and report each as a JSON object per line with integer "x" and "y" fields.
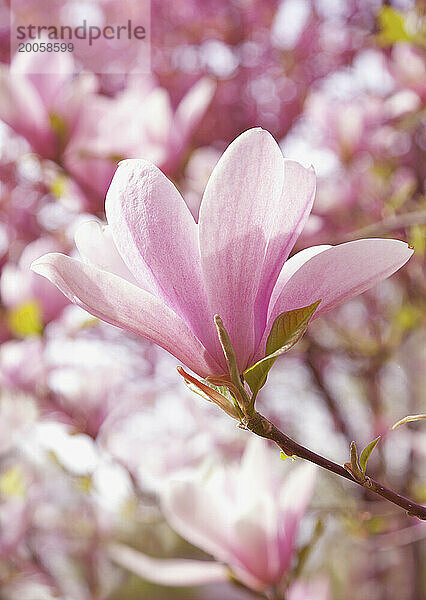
{"x": 199, "y": 518}
{"x": 236, "y": 219}
{"x": 48, "y": 72}
{"x": 294, "y": 498}
{"x": 84, "y": 156}
{"x": 96, "y": 246}
{"x": 290, "y": 267}
{"x": 188, "y": 115}
{"x": 252, "y": 558}
{"x": 341, "y": 272}
{"x": 156, "y": 235}
{"x": 316, "y": 589}
{"x": 296, "y": 491}
{"x": 290, "y": 215}
{"x": 22, "y": 109}
{"x": 193, "y": 106}
{"x": 170, "y": 572}
{"x": 123, "y": 304}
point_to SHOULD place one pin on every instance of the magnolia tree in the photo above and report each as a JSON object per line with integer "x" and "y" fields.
{"x": 248, "y": 220}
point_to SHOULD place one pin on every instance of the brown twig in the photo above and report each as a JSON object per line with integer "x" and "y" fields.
{"x": 388, "y": 224}
{"x": 339, "y": 422}
{"x": 262, "y": 427}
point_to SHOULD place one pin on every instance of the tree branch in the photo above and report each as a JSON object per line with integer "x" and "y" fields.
{"x": 333, "y": 408}
{"x": 388, "y": 224}
{"x": 262, "y": 427}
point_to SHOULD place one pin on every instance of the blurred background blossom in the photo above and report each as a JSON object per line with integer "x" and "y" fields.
{"x": 96, "y": 428}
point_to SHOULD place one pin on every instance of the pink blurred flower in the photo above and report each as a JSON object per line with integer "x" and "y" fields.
{"x": 197, "y": 172}
{"x": 155, "y": 272}
{"x": 220, "y": 513}
{"x": 265, "y": 55}
{"x": 21, "y": 198}
{"x": 43, "y": 107}
{"x": 22, "y": 365}
{"x": 408, "y": 67}
{"x": 17, "y": 414}
{"x": 14, "y": 521}
{"x": 19, "y": 286}
{"x": 156, "y": 131}
{"x": 84, "y": 377}
{"x": 194, "y": 430}
{"x": 316, "y": 589}
{"x": 346, "y": 126}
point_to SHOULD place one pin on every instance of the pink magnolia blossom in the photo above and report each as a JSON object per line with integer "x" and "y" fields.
{"x": 194, "y": 430}
{"x": 20, "y": 199}
{"x": 220, "y": 513}
{"x": 85, "y": 379}
{"x": 407, "y": 65}
{"x": 157, "y": 131}
{"x": 154, "y": 271}
{"x": 316, "y": 589}
{"x": 19, "y": 286}
{"x": 265, "y": 63}
{"x": 14, "y": 520}
{"x": 43, "y": 107}
{"x": 22, "y": 367}
{"x": 347, "y": 126}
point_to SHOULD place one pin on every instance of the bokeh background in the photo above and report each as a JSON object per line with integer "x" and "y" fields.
{"x": 94, "y": 422}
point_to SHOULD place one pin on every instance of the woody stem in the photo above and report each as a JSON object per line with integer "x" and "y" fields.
{"x": 262, "y": 427}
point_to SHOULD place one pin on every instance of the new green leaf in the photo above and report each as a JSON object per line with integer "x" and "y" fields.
{"x": 286, "y": 330}
{"x": 365, "y": 454}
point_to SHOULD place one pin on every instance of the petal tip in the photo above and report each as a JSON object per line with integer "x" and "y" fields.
{"x": 38, "y": 266}
{"x": 406, "y": 248}
{"x": 257, "y": 131}
{"x": 44, "y": 265}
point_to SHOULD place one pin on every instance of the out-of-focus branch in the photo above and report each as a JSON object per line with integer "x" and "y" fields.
{"x": 262, "y": 427}
{"x": 387, "y": 225}
{"x": 332, "y": 406}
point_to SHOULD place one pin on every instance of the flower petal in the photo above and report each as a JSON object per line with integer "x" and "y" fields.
{"x": 236, "y": 220}
{"x": 23, "y": 111}
{"x": 156, "y": 235}
{"x": 123, "y": 304}
{"x": 252, "y": 556}
{"x": 341, "y": 272}
{"x": 290, "y": 215}
{"x": 193, "y": 106}
{"x": 48, "y": 72}
{"x": 296, "y": 491}
{"x": 170, "y": 572}
{"x": 294, "y": 497}
{"x": 96, "y": 246}
{"x": 290, "y": 267}
{"x": 198, "y": 517}
{"x": 315, "y": 589}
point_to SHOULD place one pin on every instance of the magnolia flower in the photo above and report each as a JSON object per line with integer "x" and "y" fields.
{"x": 408, "y": 67}
{"x": 156, "y": 131}
{"x": 41, "y": 99}
{"x": 19, "y": 287}
{"x": 22, "y": 368}
{"x": 154, "y": 271}
{"x": 219, "y": 512}
{"x": 347, "y": 126}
